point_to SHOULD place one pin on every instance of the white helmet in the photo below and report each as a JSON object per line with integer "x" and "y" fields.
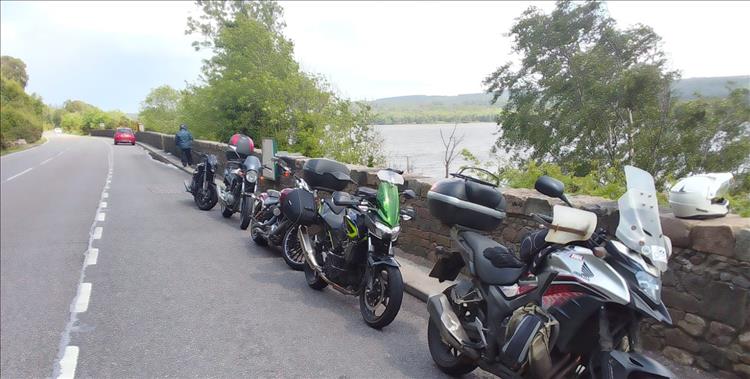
{"x": 700, "y": 196}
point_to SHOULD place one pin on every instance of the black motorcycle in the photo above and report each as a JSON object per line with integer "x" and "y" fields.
{"x": 568, "y": 306}
{"x": 351, "y": 246}
{"x": 236, "y": 193}
{"x": 202, "y": 185}
{"x": 270, "y": 224}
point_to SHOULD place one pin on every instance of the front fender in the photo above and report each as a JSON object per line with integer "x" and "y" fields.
{"x": 386, "y": 260}
{"x": 619, "y": 364}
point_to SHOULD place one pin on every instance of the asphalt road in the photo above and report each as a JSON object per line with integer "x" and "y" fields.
{"x": 174, "y": 291}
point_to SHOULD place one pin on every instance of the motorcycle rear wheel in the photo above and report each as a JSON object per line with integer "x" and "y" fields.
{"x": 444, "y": 355}
{"x": 314, "y": 280}
{"x": 386, "y": 293}
{"x": 292, "y": 250}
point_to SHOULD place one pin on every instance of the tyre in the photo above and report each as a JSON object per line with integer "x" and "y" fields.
{"x": 444, "y": 355}
{"x": 380, "y": 301}
{"x": 292, "y": 250}
{"x": 225, "y": 211}
{"x": 255, "y": 234}
{"x": 132, "y": 143}
{"x": 245, "y": 206}
{"x": 312, "y": 278}
{"x": 205, "y": 199}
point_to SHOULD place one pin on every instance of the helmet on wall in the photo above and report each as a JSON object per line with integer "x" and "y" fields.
{"x": 700, "y": 196}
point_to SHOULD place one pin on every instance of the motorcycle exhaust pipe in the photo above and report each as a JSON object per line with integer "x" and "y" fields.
{"x": 307, "y": 247}
{"x": 449, "y": 325}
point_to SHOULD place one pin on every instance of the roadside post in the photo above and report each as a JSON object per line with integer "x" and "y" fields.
{"x": 269, "y": 151}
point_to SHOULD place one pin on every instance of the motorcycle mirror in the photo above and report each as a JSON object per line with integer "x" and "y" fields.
{"x": 409, "y": 194}
{"x": 551, "y": 187}
{"x": 408, "y": 213}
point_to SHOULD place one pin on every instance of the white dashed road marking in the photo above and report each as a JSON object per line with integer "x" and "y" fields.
{"x": 67, "y": 356}
{"x": 105, "y": 195}
{"x": 68, "y": 363}
{"x": 19, "y": 174}
{"x": 92, "y": 256}
{"x": 82, "y": 300}
{"x": 46, "y": 160}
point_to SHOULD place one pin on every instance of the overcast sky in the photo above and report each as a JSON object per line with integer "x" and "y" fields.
{"x": 111, "y": 54}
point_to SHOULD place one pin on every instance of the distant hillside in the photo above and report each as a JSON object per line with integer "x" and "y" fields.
{"x": 710, "y": 87}
{"x": 476, "y": 107}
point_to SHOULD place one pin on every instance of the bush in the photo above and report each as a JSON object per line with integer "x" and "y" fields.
{"x": 18, "y": 123}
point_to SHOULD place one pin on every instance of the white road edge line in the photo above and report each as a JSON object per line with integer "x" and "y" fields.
{"x": 82, "y": 300}
{"x": 64, "y": 363}
{"x": 68, "y": 363}
{"x": 19, "y": 174}
{"x": 92, "y": 256}
{"x": 98, "y": 232}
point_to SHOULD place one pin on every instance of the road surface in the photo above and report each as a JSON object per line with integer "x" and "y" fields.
{"x": 171, "y": 291}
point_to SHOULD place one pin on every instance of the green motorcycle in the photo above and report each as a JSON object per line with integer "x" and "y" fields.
{"x": 350, "y": 247}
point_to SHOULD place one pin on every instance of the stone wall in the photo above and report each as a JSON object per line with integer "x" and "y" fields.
{"x": 706, "y": 287}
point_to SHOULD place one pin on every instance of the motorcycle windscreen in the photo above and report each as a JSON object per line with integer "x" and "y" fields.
{"x": 388, "y": 203}
{"x": 640, "y": 226}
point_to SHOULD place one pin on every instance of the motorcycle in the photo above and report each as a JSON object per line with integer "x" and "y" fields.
{"x": 352, "y": 248}
{"x": 270, "y": 224}
{"x": 236, "y": 192}
{"x": 202, "y": 185}
{"x": 571, "y": 303}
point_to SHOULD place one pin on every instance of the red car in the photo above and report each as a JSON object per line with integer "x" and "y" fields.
{"x": 124, "y": 135}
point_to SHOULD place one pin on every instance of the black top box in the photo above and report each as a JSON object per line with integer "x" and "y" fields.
{"x": 325, "y": 174}
{"x": 466, "y": 203}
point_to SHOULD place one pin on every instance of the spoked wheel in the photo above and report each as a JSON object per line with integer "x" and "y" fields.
{"x": 245, "y": 207}
{"x": 380, "y": 301}
{"x": 292, "y": 250}
{"x": 446, "y": 357}
{"x": 205, "y": 199}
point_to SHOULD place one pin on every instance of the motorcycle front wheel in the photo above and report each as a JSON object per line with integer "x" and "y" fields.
{"x": 380, "y": 301}
{"x": 445, "y": 356}
{"x": 292, "y": 250}
{"x": 205, "y": 199}
{"x": 245, "y": 207}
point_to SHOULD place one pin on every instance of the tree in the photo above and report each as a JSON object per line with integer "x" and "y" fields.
{"x": 253, "y": 85}
{"x": 450, "y": 144}
{"x": 585, "y": 91}
{"x": 160, "y": 110}
{"x": 14, "y": 69}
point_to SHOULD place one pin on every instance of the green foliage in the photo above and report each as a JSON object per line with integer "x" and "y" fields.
{"x": 22, "y": 116}
{"x": 603, "y": 182}
{"x": 434, "y": 114}
{"x": 160, "y": 110}
{"x": 253, "y": 85}
{"x": 14, "y": 69}
{"x": 78, "y": 117}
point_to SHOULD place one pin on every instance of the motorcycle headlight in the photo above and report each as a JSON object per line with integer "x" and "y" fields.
{"x": 382, "y": 231}
{"x": 649, "y": 284}
{"x": 251, "y": 176}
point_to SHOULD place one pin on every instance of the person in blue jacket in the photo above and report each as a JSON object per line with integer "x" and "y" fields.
{"x": 184, "y": 141}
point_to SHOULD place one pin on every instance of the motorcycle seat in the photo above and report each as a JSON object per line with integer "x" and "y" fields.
{"x": 532, "y": 244}
{"x": 273, "y": 193}
{"x": 494, "y": 263}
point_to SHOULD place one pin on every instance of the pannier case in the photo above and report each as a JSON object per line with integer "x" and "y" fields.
{"x": 299, "y": 207}
{"x": 466, "y": 203}
{"x": 325, "y": 174}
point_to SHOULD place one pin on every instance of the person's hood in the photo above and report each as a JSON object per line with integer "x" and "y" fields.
{"x": 183, "y": 127}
